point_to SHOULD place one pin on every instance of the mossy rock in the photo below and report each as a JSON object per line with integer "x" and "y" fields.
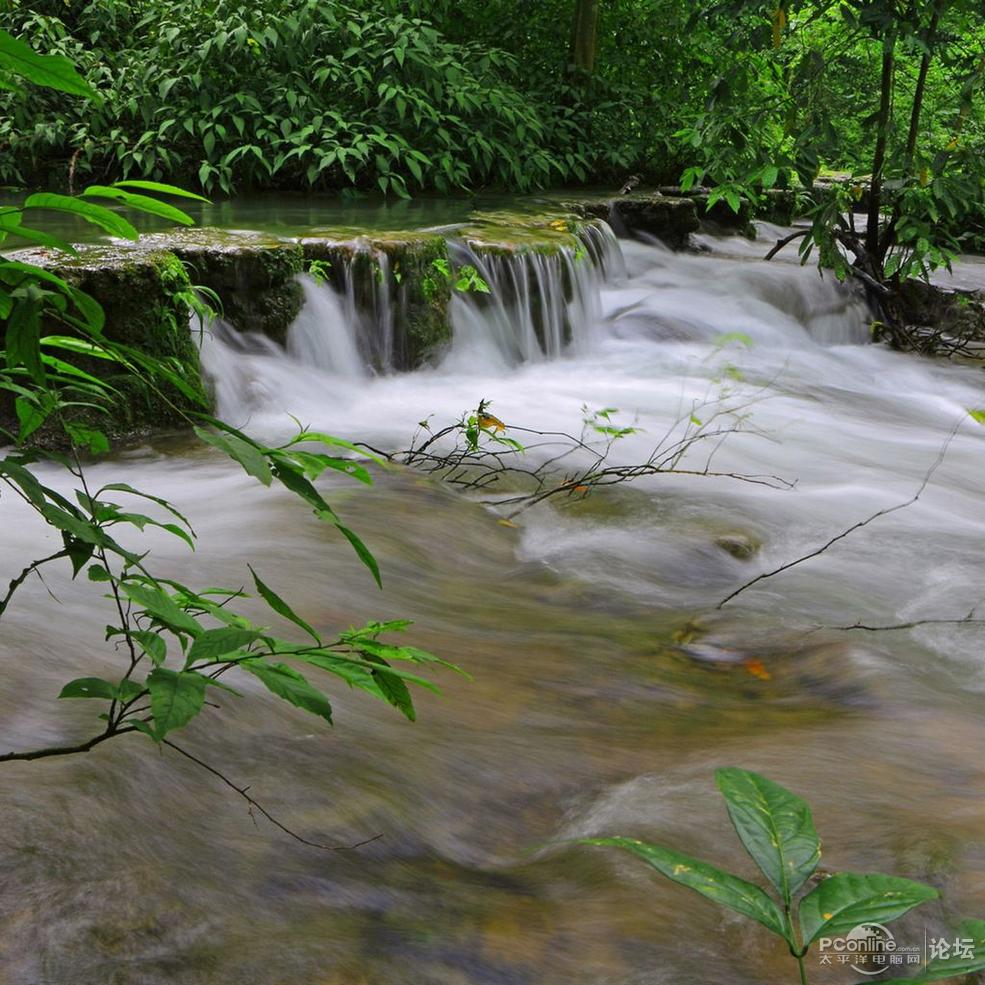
{"x": 140, "y": 294}
{"x": 671, "y": 219}
{"x": 255, "y": 276}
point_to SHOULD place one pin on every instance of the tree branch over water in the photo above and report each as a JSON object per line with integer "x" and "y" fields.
{"x": 256, "y": 805}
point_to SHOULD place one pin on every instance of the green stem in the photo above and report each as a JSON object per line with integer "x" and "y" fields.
{"x": 803, "y": 971}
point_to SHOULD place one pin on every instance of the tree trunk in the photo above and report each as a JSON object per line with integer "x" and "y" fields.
{"x": 882, "y": 137}
{"x": 584, "y": 38}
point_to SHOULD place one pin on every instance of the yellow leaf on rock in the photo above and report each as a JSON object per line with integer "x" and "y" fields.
{"x": 758, "y": 669}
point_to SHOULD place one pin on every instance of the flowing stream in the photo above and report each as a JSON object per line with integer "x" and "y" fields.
{"x": 607, "y": 685}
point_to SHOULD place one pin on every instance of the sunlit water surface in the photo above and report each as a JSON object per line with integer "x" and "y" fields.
{"x": 607, "y": 686}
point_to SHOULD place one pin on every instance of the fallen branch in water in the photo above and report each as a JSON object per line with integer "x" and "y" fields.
{"x": 855, "y": 526}
{"x": 483, "y": 455}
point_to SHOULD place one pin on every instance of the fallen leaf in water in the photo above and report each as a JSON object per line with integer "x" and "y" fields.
{"x": 758, "y": 669}
{"x": 505, "y": 522}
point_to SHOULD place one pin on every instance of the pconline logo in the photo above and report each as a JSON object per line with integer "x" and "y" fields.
{"x": 869, "y": 948}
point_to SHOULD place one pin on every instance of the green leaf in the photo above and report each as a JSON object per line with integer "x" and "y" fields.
{"x": 774, "y": 825}
{"x": 280, "y": 606}
{"x": 141, "y": 203}
{"x": 161, "y": 189}
{"x": 89, "y": 687}
{"x": 288, "y": 684}
{"x": 49, "y": 71}
{"x": 977, "y": 415}
{"x": 722, "y": 887}
{"x": 363, "y": 552}
{"x": 98, "y": 215}
{"x": 395, "y": 691}
{"x": 163, "y": 608}
{"x": 214, "y": 643}
{"x": 175, "y": 698}
{"x": 151, "y": 643}
{"x": 239, "y": 450}
{"x": 845, "y": 900}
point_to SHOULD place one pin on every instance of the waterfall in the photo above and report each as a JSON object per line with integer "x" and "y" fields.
{"x": 367, "y": 300}
{"x": 539, "y": 303}
{"x": 324, "y": 333}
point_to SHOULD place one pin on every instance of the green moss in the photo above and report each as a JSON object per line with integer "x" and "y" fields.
{"x": 139, "y": 292}
{"x": 254, "y": 275}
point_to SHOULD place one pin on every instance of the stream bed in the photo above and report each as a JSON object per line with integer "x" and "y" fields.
{"x": 607, "y": 685}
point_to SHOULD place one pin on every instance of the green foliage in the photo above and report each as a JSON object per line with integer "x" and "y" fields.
{"x": 322, "y": 93}
{"x": 776, "y": 829}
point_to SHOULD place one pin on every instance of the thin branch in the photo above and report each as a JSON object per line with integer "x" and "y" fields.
{"x": 64, "y": 750}
{"x": 968, "y": 620}
{"x": 242, "y": 791}
{"x": 15, "y": 583}
{"x": 855, "y": 526}
{"x": 786, "y": 241}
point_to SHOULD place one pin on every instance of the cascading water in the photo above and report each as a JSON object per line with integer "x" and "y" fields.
{"x": 539, "y": 303}
{"x": 325, "y": 334}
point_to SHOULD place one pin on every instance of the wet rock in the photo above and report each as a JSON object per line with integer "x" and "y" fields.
{"x": 958, "y": 315}
{"x": 255, "y": 276}
{"x": 740, "y": 545}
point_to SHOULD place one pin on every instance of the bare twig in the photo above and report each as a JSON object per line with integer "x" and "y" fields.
{"x": 855, "y": 526}
{"x": 786, "y": 241}
{"x": 15, "y": 583}
{"x": 242, "y": 791}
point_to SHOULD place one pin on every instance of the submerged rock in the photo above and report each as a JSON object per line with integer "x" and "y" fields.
{"x": 741, "y": 546}
{"x": 671, "y": 219}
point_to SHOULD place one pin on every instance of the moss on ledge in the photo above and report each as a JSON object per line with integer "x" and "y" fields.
{"x": 139, "y": 291}
{"x": 255, "y": 276}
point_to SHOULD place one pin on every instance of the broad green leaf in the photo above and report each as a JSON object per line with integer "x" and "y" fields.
{"x": 774, "y": 825}
{"x": 141, "y": 203}
{"x": 977, "y": 415}
{"x": 247, "y": 454}
{"x": 280, "y": 606}
{"x": 722, "y": 887}
{"x": 214, "y": 643}
{"x": 98, "y": 215}
{"x": 163, "y": 608}
{"x": 152, "y": 644}
{"x": 842, "y": 902}
{"x": 288, "y": 684}
{"x": 89, "y": 687}
{"x": 395, "y": 691}
{"x": 49, "y": 71}
{"x": 175, "y": 698}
